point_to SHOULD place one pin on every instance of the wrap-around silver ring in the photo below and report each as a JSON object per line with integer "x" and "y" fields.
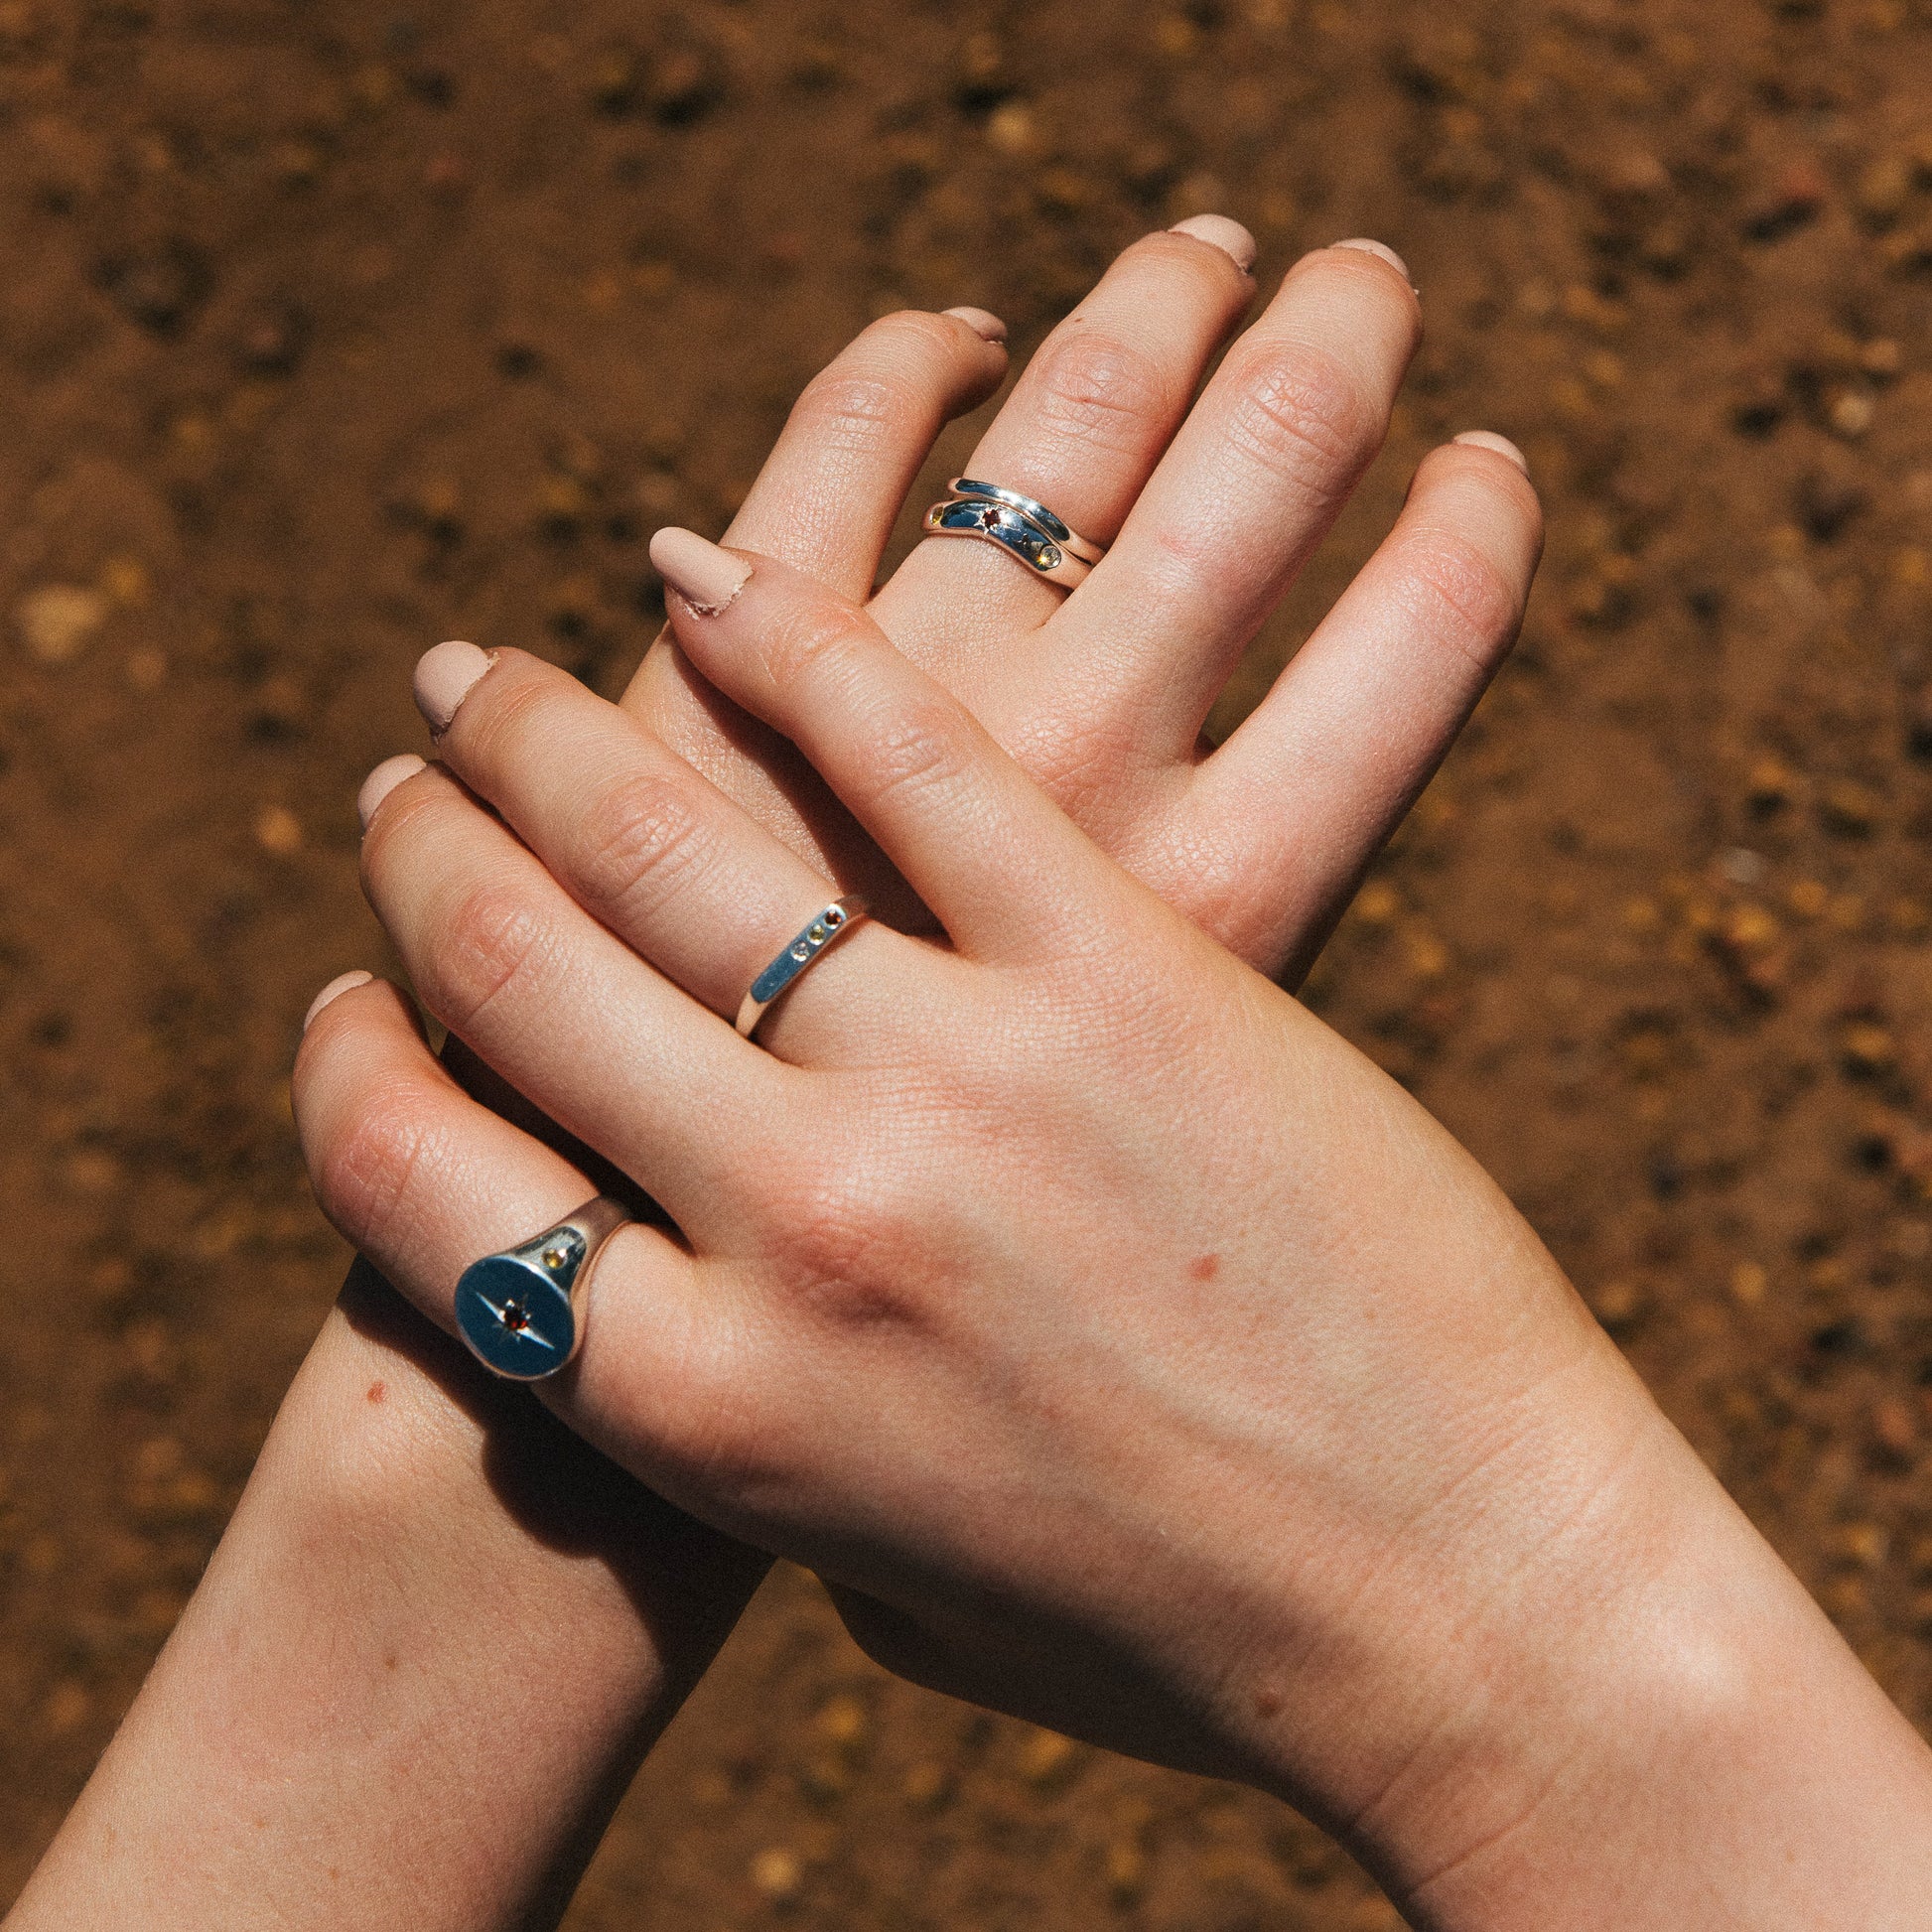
{"x": 521, "y": 1311}
{"x": 1034, "y": 511}
{"x": 1025, "y": 528}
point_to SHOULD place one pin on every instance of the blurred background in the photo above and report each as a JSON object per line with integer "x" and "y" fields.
{"x": 332, "y": 329}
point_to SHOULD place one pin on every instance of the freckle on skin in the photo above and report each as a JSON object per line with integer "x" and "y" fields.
{"x": 1205, "y": 1267}
{"x": 377, "y": 1391}
{"x": 1268, "y": 1702}
{"x": 389, "y": 1662}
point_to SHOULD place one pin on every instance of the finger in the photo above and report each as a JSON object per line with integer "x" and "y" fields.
{"x": 1307, "y": 791}
{"x": 835, "y": 482}
{"x": 1093, "y": 410}
{"x": 422, "y": 1181}
{"x": 990, "y": 854}
{"x": 608, "y": 1048}
{"x": 826, "y": 502}
{"x": 645, "y": 844}
{"x": 1252, "y": 485}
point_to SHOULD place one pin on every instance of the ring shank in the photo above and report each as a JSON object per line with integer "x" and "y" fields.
{"x": 797, "y": 957}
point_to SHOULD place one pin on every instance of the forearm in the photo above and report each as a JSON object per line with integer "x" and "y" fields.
{"x": 429, "y": 1652}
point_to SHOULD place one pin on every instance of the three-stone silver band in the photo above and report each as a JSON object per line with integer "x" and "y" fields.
{"x": 798, "y": 957}
{"x": 1024, "y": 530}
{"x": 1034, "y": 511}
{"x": 521, "y": 1311}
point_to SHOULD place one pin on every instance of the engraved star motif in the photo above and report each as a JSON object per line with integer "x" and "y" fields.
{"x": 515, "y": 1314}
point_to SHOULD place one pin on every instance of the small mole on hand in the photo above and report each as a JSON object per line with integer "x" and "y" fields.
{"x": 1205, "y": 1267}
{"x": 377, "y": 1391}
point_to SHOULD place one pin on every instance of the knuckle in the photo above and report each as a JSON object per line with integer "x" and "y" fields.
{"x": 490, "y": 942}
{"x": 926, "y": 340}
{"x": 1093, "y": 388}
{"x": 640, "y": 841}
{"x": 920, "y": 748}
{"x": 855, "y": 1251}
{"x": 859, "y": 409}
{"x": 362, "y": 1172}
{"x": 502, "y": 718}
{"x": 1466, "y": 599}
{"x": 1300, "y": 412}
{"x": 813, "y": 633}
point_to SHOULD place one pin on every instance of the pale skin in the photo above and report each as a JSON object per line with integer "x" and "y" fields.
{"x": 1125, "y": 1349}
{"x": 410, "y": 1523}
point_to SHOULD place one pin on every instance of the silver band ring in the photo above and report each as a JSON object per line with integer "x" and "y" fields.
{"x": 1035, "y": 511}
{"x": 521, "y": 1311}
{"x": 798, "y": 957}
{"x": 1016, "y": 535}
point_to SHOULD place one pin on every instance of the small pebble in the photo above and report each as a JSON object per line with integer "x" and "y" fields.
{"x": 1047, "y": 1758}
{"x": 776, "y": 1871}
{"x": 1894, "y": 1426}
{"x": 1615, "y": 1303}
{"x": 278, "y": 830}
{"x": 58, "y": 622}
{"x": 842, "y": 1720}
{"x": 67, "y": 1709}
{"x": 1867, "y": 1049}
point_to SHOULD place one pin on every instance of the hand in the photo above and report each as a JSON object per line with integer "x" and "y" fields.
{"x": 1134, "y": 1354}
{"x": 1276, "y": 442}
{"x": 1211, "y": 507}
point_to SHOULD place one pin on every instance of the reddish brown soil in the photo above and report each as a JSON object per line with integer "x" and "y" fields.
{"x": 331, "y": 330}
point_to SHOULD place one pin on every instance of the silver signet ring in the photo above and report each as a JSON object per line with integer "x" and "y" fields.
{"x": 521, "y": 1311}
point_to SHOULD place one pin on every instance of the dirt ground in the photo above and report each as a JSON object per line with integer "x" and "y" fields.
{"x": 330, "y": 330}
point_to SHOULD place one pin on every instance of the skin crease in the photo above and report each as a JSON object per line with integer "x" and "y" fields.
{"x": 1130, "y": 1352}
{"x": 235, "y": 1791}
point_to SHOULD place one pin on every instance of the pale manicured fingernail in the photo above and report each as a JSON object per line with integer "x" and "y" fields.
{"x": 1382, "y": 249}
{"x": 382, "y": 781}
{"x": 987, "y": 325}
{"x": 445, "y": 676}
{"x": 1219, "y": 232}
{"x": 346, "y": 983}
{"x": 1487, "y": 438}
{"x": 704, "y": 576}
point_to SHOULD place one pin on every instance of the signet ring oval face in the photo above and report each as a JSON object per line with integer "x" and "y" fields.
{"x": 521, "y": 1311}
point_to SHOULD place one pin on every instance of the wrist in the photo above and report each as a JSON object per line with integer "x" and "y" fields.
{"x": 1646, "y": 1723}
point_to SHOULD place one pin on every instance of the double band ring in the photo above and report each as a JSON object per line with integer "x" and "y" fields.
{"x": 1021, "y": 526}
{"x": 1034, "y": 511}
{"x": 798, "y": 957}
{"x": 521, "y": 1311}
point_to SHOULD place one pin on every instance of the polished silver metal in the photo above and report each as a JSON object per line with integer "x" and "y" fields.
{"x": 1034, "y": 511}
{"x": 1018, "y": 536}
{"x": 521, "y": 1311}
{"x": 797, "y": 957}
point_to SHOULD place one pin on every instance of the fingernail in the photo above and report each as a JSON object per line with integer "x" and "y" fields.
{"x": 1487, "y": 438}
{"x": 346, "y": 983}
{"x": 382, "y": 781}
{"x": 1218, "y": 232}
{"x": 445, "y": 676}
{"x": 986, "y": 326}
{"x": 704, "y": 576}
{"x": 1386, "y": 253}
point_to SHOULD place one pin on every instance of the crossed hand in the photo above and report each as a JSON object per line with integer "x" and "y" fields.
{"x": 1122, "y": 1348}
